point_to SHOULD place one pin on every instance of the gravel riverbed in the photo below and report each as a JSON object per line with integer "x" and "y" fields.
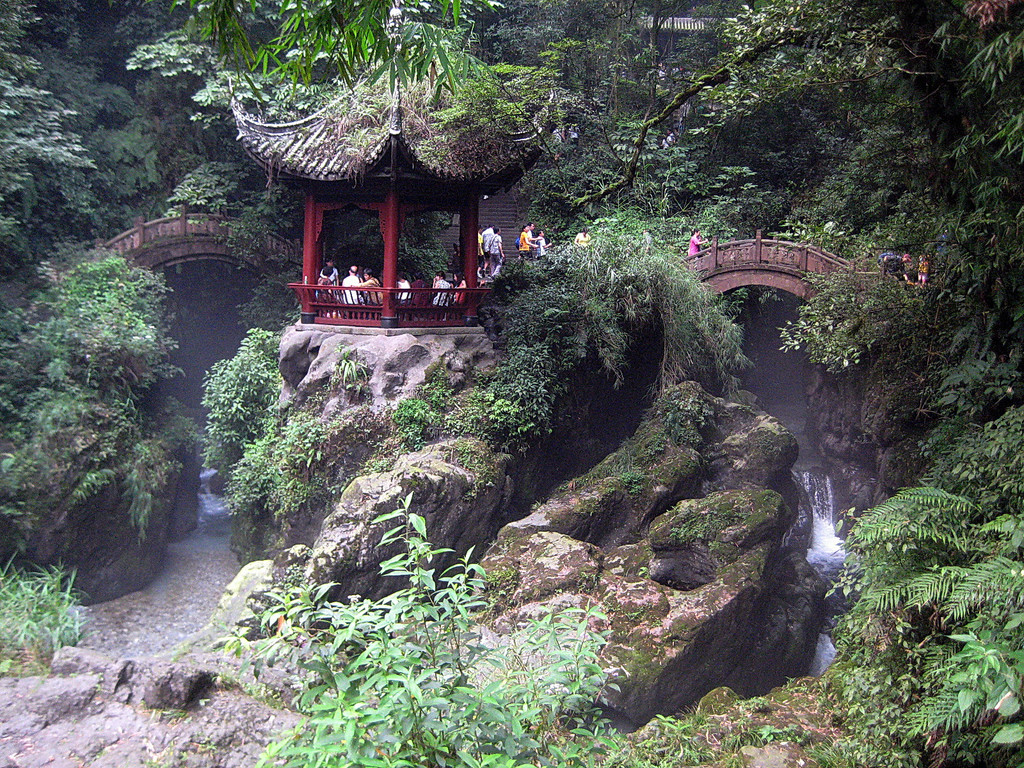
{"x": 178, "y": 602}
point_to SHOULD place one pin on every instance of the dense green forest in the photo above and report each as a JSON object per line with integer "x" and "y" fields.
{"x": 859, "y": 126}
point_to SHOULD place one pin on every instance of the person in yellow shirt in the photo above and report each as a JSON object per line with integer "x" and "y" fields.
{"x": 583, "y": 238}
{"x": 526, "y": 241}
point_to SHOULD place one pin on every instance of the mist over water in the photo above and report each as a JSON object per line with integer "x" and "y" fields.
{"x": 204, "y": 300}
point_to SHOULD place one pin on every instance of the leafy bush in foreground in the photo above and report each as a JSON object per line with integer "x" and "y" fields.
{"x": 406, "y": 680}
{"x": 38, "y": 618}
{"x": 933, "y": 649}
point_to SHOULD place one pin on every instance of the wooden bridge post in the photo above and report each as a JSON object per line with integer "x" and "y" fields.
{"x": 803, "y": 258}
{"x": 757, "y": 246}
{"x": 139, "y": 238}
{"x": 714, "y": 252}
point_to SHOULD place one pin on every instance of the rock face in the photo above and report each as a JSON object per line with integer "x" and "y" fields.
{"x": 97, "y": 538}
{"x": 308, "y": 359}
{"x": 868, "y": 431}
{"x": 96, "y": 711}
{"x": 238, "y": 608}
{"x": 681, "y": 555}
{"x": 463, "y": 508}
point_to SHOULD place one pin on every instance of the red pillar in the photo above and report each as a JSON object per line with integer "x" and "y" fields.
{"x": 469, "y": 218}
{"x": 309, "y": 244}
{"x": 309, "y": 256}
{"x": 390, "y": 215}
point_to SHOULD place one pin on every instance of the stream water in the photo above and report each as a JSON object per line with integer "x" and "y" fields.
{"x": 779, "y": 379}
{"x": 179, "y": 601}
{"x": 825, "y": 550}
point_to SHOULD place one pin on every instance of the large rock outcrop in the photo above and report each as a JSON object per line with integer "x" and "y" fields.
{"x": 676, "y": 538}
{"x": 869, "y": 432}
{"x": 97, "y": 538}
{"x": 397, "y": 364}
{"x": 460, "y": 487}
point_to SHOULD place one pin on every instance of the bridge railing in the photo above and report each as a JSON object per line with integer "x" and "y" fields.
{"x": 190, "y": 225}
{"x": 771, "y": 253}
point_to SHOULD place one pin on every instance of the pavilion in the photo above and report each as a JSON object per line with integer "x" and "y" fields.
{"x": 395, "y": 154}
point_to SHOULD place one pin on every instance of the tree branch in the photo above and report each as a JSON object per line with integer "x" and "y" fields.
{"x": 721, "y": 75}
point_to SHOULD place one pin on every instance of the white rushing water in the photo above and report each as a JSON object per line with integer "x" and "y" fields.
{"x": 214, "y": 515}
{"x": 825, "y": 550}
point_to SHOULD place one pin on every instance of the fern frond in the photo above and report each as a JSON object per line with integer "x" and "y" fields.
{"x": 925, "y": 516}
{"x": 90, "y": 484}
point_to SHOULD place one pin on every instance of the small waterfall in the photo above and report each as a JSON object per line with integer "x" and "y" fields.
{"x": 214, "y": 515}
{"x": 825, "y": 550}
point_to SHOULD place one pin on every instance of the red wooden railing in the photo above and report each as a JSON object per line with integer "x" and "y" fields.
{"x": 414, "y": 307}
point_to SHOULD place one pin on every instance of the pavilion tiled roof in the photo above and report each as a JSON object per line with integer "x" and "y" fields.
{"x": 351, "y": 139}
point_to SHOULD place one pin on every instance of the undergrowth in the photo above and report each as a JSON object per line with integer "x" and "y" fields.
{"x": 37, "y": 605}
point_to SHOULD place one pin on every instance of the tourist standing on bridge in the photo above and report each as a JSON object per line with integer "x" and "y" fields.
{"x": 582, "y": 238}
{"x": 695, "y": 243}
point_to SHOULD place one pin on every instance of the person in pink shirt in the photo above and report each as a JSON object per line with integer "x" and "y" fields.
{"x": 695, "y": 243}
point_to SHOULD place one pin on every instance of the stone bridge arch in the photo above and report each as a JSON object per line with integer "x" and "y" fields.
{"x": 779, "y": 264}
{"x": 175, "y": 240}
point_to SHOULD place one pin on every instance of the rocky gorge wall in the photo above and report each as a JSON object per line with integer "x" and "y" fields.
{"x": 96, "y": 537}
{"x": 668, "y": 516}
{"x": 868, "y": 429}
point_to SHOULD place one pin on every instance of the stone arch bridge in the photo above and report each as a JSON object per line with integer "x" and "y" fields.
{"x": 190, "y": 237}
{"x": 770, "y": 263}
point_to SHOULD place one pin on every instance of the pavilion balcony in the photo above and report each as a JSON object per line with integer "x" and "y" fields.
{"x": 407, "y": 307}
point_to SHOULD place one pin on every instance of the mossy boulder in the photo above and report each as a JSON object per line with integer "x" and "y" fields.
{"x": 693, "y": 541}
{"x": 658, "y": 465}
{"x": 716, "y": 701}
{"x": 756, "y": 450}
{"x": 747, "y": 627}
{"x": 463, "y": 508}
{"x": 238, "y": 609}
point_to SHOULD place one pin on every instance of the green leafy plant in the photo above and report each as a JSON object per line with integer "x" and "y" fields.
{"x": 38, "y": 605}
{"x": 75, "y": 393}
{"x": 349, "y": 371}
{"x": 851, "y": 316}
{"x": 405, "y": 680}
{"x": 239, "y": 395}
{"x": 414, "y": 417}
